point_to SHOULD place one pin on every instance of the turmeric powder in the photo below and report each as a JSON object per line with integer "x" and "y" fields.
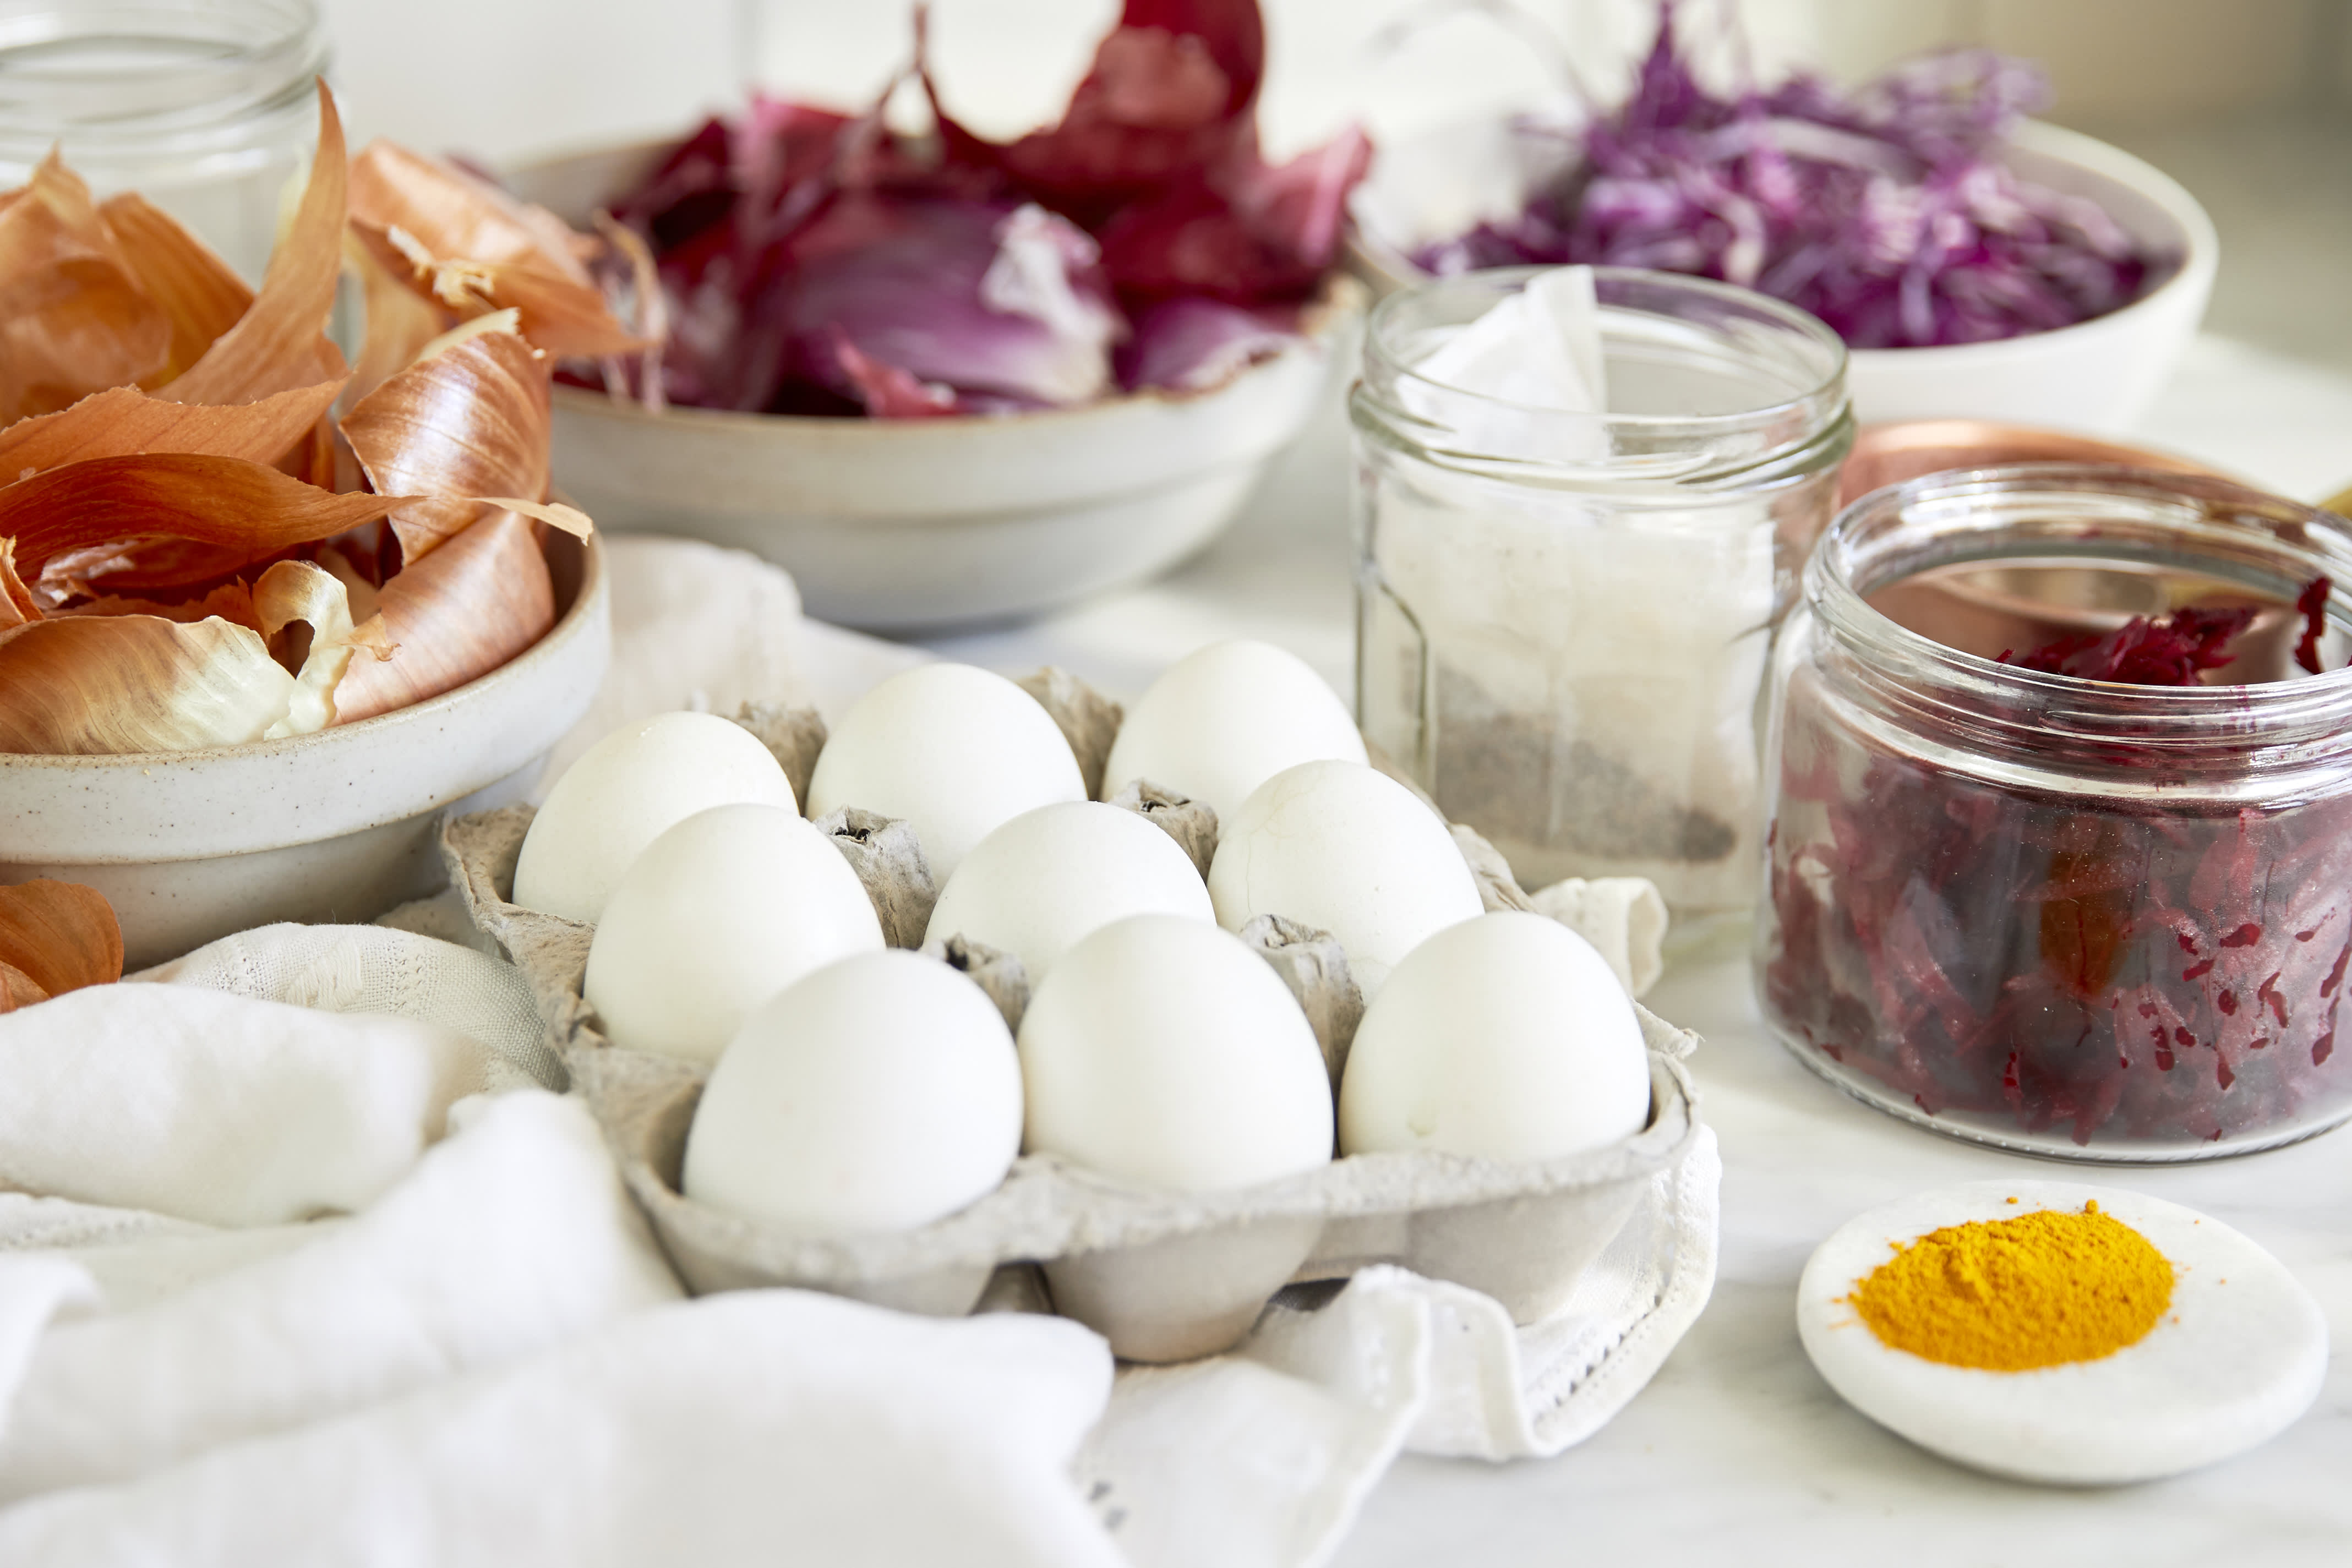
{"x": 2009, "y": 1295}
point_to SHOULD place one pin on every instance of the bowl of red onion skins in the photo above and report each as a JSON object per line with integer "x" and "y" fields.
{"x": 946, "y": 382}
{"x": 1979, "y": 264}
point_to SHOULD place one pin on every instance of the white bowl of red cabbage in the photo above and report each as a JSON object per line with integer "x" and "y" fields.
{"x": 1979, "y": 264}
{"x": 946, "y": 382}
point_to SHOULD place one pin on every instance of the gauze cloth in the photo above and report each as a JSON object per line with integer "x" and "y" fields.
{"x": 1261, "y": 1458}
{"x": 218, "y": 1108}
{"x": 378, "y": 969}
{"x": 757, "y": 1427}
{"x": 512, "y": 1235}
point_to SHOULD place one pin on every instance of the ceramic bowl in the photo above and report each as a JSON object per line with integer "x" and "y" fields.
{"x": 336, "y": 826}
{"x": 905, "y": 525}
{"x": 2099, "y": 375}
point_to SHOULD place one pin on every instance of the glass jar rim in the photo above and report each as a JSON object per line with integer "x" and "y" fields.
{"x": 240, "y": 62}
{"x": 2004, "y": 513}
{"x": 1799, "y": 421}
{"x": 1383, "y": 323}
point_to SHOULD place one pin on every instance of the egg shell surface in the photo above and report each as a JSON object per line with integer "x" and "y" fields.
{"x": 952, "y": 748}
{"x": 628, "y": 790}
{"x": 1049, "y": 877}
{"x": 879, "y": 1092}
{"x": 1225, "y": 719}
{"x": 1504, "y": 1037}
{"x": 719, "y": 915}
{"x": 1163, "y": 1051}
{"x": 1343, "y": 847}
{"x": 2238, "y": 1356}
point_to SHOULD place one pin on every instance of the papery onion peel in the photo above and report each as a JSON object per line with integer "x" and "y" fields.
{"x": 475, "y": 602}
{"x": 468, "y": 421}
{"x": 106, "y": 684}
{"x": 55, "y": 937}
{"x": 124, "y": 421}
{"x": 281, "y": 341}
{"x": 73, "y": 318}
{"x": 246, "y": 508}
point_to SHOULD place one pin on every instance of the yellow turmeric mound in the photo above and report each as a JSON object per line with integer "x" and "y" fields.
{"x": 2009, "y": 1295}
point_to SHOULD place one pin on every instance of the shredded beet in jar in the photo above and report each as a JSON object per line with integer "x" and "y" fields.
{"x": 2073, "y": 901}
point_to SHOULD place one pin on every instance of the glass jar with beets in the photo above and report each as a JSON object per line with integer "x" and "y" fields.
{"x": 2013, "y": 892}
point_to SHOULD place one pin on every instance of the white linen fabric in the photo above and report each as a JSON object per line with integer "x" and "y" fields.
{"x": 694, "y": 626}
{"x": 512, "y": 1234}
{"x": 376, "y": 969}
{"x": 1264, "y": 1455}
{"x": 754, "y": 1428}
{"x": 219, "y": 1108}
{"x": 1622, "y": 916}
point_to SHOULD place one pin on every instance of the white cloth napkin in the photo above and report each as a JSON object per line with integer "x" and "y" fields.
{"x": 1263, "y": 1456}
{"x": 219, "y": 1108}
{"x": 513, "y": 1234}
{"x": 377, "y": 969}
{"x": 1621, "y": 915}
{"x": 755, "y": 1428}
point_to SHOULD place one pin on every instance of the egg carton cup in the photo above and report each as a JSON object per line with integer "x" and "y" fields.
{"x": 1163, "y": 1276}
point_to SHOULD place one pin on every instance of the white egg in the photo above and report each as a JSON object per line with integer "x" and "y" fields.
{"x": 1048, "y": 877}
{"x": 1163, "y": 1051}
{"x": 2237, "y": 1356}
{"x": 719, "y": 913}
{"x": 1347, "y": 849}
{"x": 953, "y": 750}
{"x": 628, "y": 790}
{"x": 1505, "y": 1038}
{"x": 1221, "y": 721}
{"x": 879, "y": 1092}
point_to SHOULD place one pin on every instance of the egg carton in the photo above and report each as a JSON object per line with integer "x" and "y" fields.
{"x": 1163, "y": 1276}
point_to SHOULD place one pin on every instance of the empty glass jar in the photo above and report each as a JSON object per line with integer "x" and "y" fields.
{"x": 205, "y": 107}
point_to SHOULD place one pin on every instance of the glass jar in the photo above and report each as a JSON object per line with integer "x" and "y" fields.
{"x": 2063, "y": 916}
{"x": 204, "y": 107}
{"x": 1563, "y": 617}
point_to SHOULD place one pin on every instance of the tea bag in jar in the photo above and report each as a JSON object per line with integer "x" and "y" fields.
{"x": 1563, "y": 631}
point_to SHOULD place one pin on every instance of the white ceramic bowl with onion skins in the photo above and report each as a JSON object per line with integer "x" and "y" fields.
{"x": 2098, "y": 376}
{"x": 339, "y": 825}
{"x": 902, "y": 525}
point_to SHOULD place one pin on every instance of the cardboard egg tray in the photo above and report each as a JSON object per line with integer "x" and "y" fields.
{"x": 1163, "y": 1276}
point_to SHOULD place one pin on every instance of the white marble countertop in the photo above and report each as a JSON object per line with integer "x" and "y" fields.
{"x": 1739, "y": 1446}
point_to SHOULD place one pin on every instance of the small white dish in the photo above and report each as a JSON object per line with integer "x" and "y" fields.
{"x": 2238, "y": 1356}
{"x": 2099, "y": 375}
{"x": 927, "y": 524}
{"x": 338, "y": 825}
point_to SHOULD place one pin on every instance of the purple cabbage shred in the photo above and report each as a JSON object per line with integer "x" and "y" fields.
{"x": 1886, "y": 212}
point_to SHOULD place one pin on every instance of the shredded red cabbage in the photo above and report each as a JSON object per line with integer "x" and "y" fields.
{"x": 1884, "y": 212}
{"x": 816, "y": 262}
